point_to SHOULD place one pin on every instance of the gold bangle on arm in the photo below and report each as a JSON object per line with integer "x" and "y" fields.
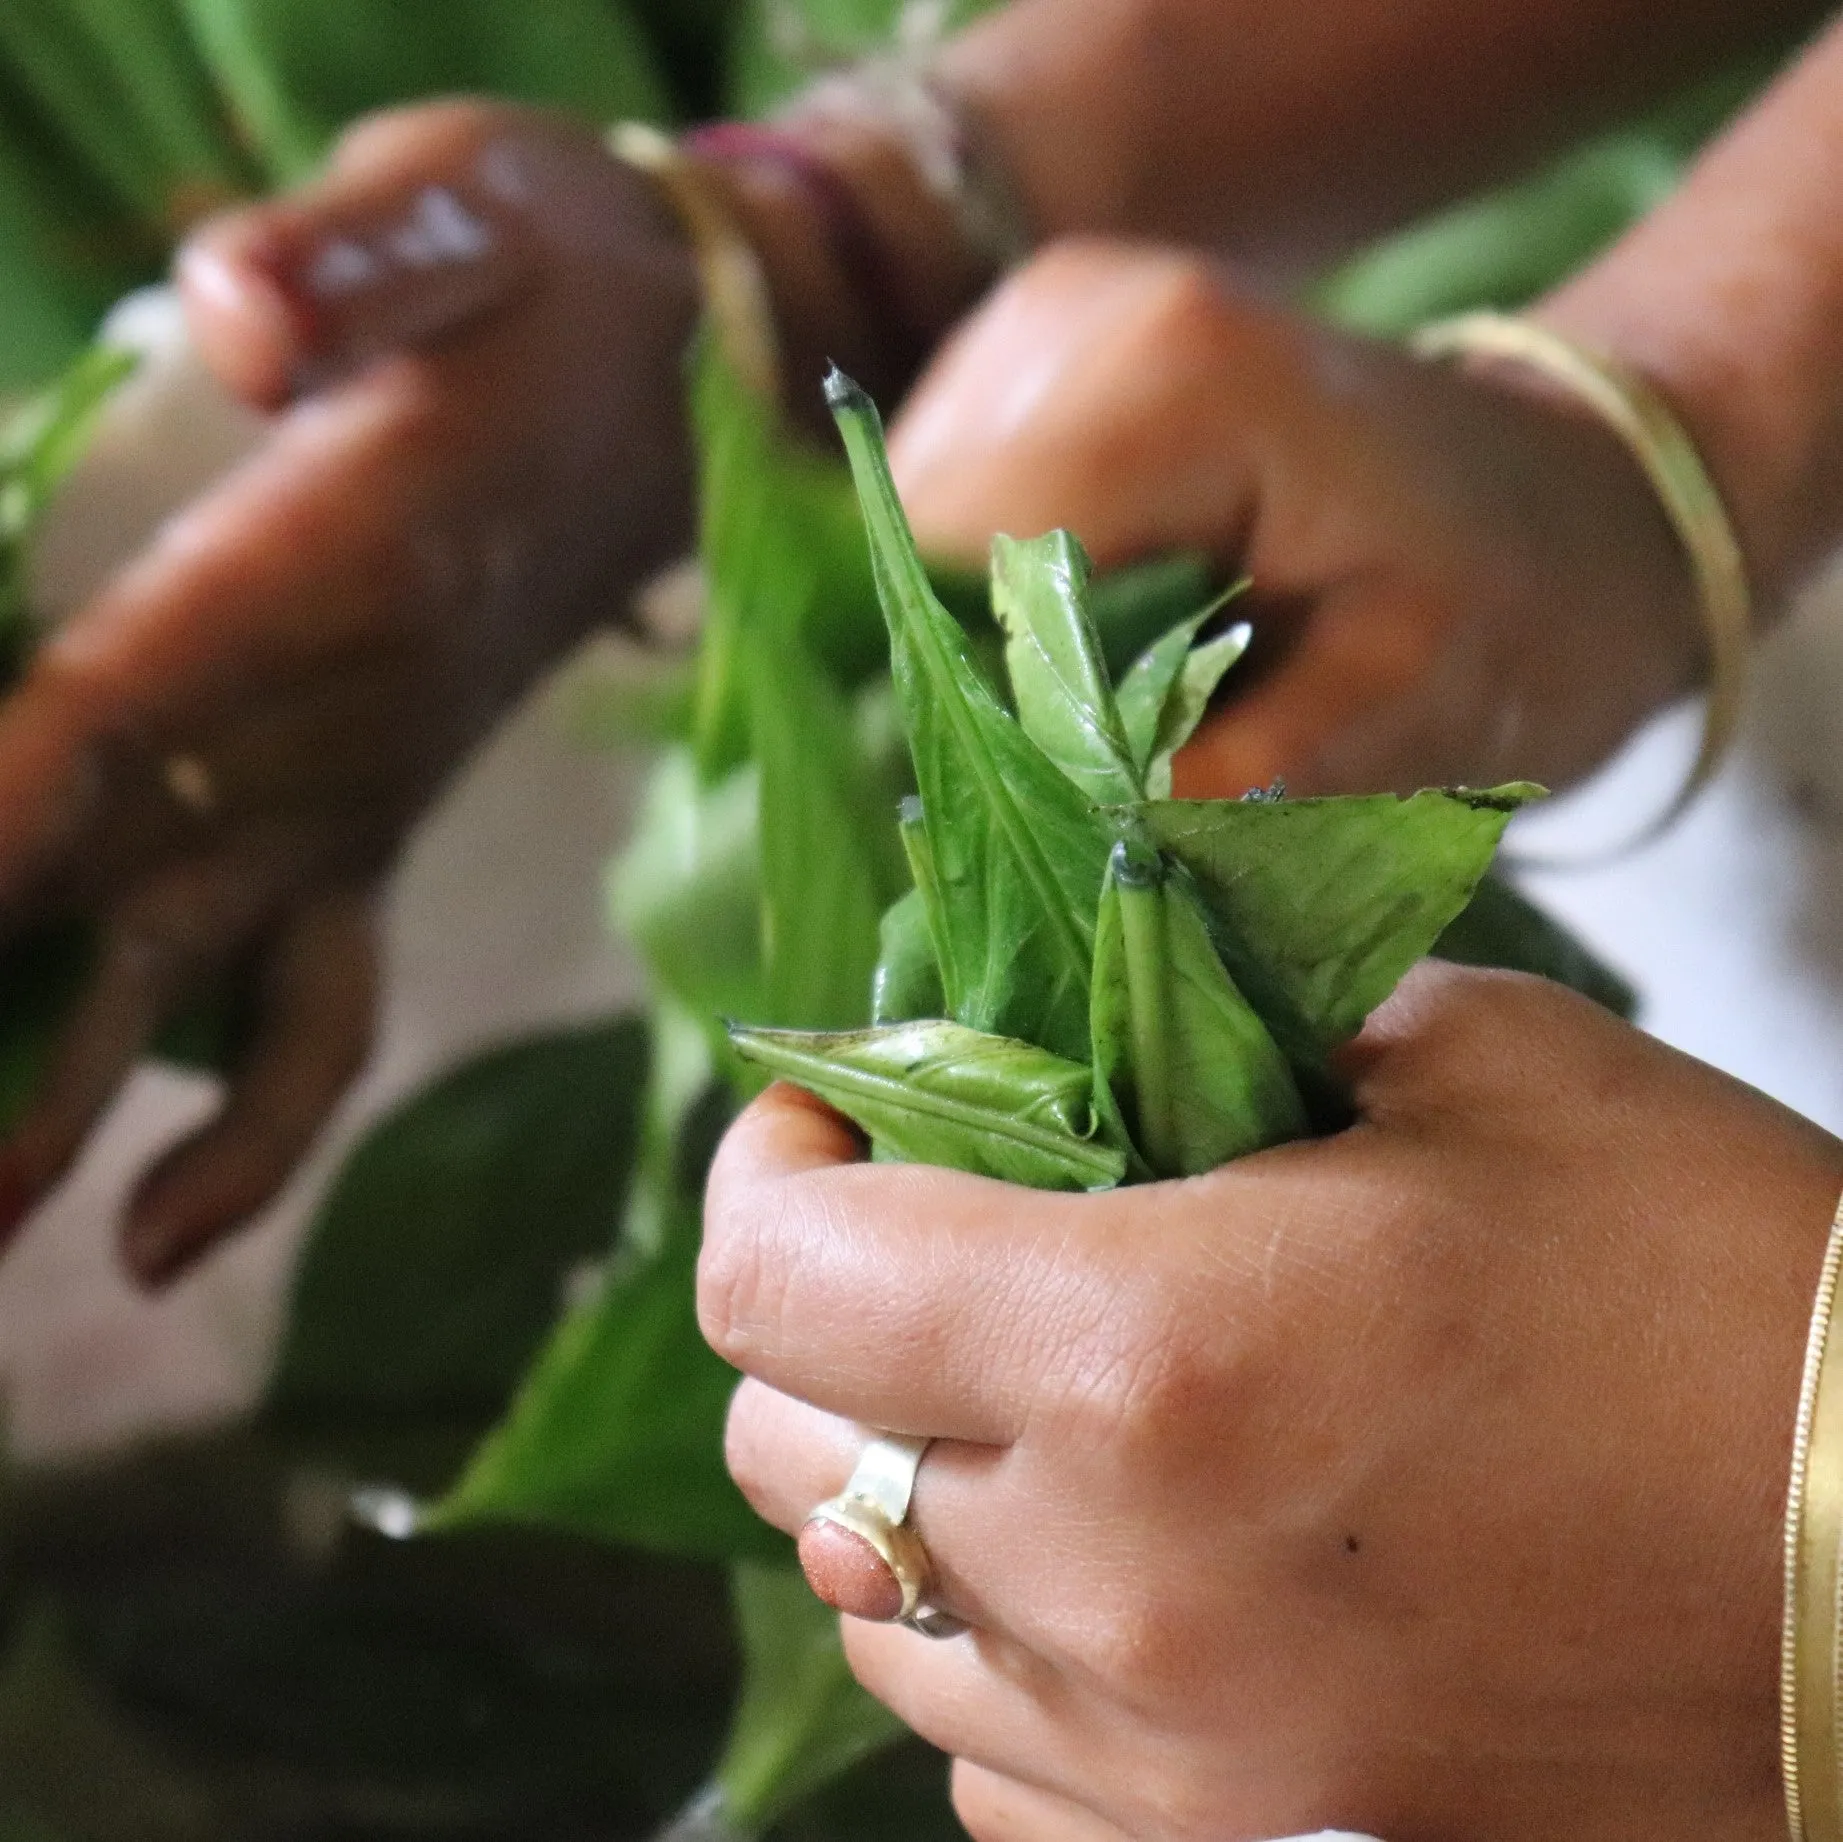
{"x": 1657, "y": 440}
{"x": 735, "y": 287}
{"x": 1811, "y": 1653}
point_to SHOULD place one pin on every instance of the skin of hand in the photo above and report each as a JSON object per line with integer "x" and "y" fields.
{"x": 1424, "y": 1481}
{"x": 1457, "y": 579}
{"x": 472, "y": 333}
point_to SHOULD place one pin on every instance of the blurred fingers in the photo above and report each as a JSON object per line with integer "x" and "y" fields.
{"x": 317, "y": 1010}
{"x": 420, "y": 225}
{"x": 156, "y": 948}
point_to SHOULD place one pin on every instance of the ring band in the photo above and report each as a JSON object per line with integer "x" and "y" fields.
{"x": 1640, "y": 418}
{"x": 859, "y": 1552}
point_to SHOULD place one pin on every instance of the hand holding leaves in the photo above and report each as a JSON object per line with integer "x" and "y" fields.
{"x": 1138, "y": 988}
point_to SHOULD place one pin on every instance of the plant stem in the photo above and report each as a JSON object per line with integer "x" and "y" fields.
{"x": 1146, "y": 951}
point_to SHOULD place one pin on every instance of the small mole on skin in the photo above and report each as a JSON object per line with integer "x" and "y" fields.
{"x": 1352, "y": 1545}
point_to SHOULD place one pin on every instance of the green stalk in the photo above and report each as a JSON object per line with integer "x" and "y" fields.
{"x": 1147, "y": 954}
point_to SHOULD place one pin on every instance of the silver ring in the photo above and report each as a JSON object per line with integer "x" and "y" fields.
{"x": 872, "y": 1513}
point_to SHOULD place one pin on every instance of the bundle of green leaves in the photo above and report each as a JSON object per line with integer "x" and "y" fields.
{"x": 1090, "y": 982}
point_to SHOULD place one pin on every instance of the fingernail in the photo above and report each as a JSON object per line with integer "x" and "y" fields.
{"x": 399, "y": 280}
{"x": 249, "y": 330}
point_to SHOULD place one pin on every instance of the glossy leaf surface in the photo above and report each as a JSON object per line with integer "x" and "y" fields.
{"x": 1193, "y": 1071}
{"x": 907, "y": 982}
{"x": 1320, "y": 906}
{"x": 1059, "y": 680}
{"x": 937, "y": 1093}
{"x": 1017, "y": 853}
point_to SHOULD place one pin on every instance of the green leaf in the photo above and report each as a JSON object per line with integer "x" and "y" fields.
{"x": 296, "y": 74}
{"x": 1165, "y": 695}
{"x": 1150, "y": 685}
{"x": 437, "y": 1263}
{"x": 1018, "y": 854}
{"x": 1132, "y": 607}
{"x": 1195, "y": 1075}
{"x": 1188, "y": 702}
{"x": 687, "y": 889}
{"x": 907, "y": 981}
{"x": 617, "y": 1433}
{"x": 1320, "y": 906}
{"x": 63, "y": 269}
{"x": 1058, "y": 678}
{"x": 1501, "y": 927}
{"x": 825, "y": 882}
{"x": 937, "y": 1093}
{"x": 802, "y": 1719}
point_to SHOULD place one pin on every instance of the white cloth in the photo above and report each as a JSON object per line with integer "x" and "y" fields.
{"x": 1731, "y": 926}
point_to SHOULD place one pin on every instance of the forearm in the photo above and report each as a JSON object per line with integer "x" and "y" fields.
{"x": 1284, "y": 135}
{"x": 1730, "y": 299}
{"x": 1288, "y": 133}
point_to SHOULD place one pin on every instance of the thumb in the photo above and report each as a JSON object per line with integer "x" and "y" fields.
{"x": 422, "y": 223}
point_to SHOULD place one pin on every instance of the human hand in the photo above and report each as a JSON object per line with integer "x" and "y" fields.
{"x": 1457, "y": 578}
{"x": 472, "y": 330}
{"x": 1426, "y": 1480}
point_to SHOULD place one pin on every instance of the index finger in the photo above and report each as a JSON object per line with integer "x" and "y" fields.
{"x": 278, "y": 571}
{"x": 915, "y": 1299}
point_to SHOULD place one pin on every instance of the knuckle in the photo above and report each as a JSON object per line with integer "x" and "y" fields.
{"x": 1145, "y": 1379}
{"x": 740, "y": 1286}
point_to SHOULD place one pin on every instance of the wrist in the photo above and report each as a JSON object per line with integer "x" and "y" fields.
{"x": 867, "y": 263}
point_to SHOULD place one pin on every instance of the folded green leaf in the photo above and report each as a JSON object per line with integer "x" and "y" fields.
{"x": 1189, "y": 702}
{"x": 1059, "y": 680}
{"x": 937, "y": 1093}
{"x": 1018, "y": 854}
{"x": 1165, "y": 695}
{"x": 1320, "y": 906}
{"x": 1134, "y": 606}
{"x": 907, "y": 982}
{"x": 1191, "y": 1068}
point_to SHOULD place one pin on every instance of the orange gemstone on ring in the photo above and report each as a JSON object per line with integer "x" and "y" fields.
{"x": 848, "y": 1574}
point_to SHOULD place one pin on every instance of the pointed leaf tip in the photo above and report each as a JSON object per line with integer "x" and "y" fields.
{"x": 1136, "y": 867}
{"x": 844, "y": 395}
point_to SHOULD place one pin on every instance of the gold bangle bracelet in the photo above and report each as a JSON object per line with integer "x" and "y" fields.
{"x": 1810, "y": 1651}
{"x": 735, "y": 286}
{"x": 1657, "y": 440}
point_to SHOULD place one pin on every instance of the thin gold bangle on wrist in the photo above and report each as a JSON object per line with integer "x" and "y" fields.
{"x": 1657, "y": 440}
{"x": 1811, "y": 1652}
{"x": 735, "y": 286}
